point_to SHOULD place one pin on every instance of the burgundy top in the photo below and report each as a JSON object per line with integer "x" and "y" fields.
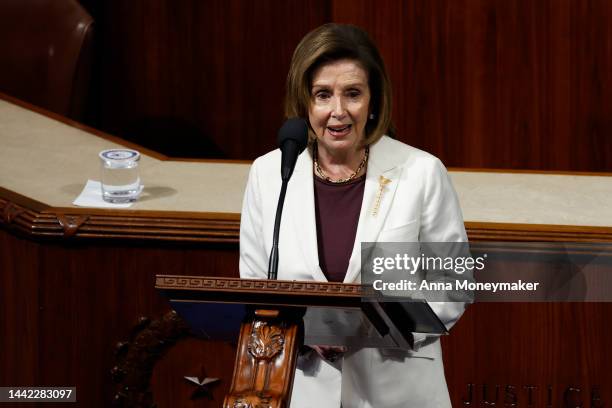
{"x": 337, "y": 208}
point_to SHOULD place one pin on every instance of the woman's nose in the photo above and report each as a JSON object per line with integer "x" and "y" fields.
{"x": 338, "y": 109}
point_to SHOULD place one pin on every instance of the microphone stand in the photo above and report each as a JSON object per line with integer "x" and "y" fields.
{"x": 292, "y": 139}
{"x": 273, "y": 263}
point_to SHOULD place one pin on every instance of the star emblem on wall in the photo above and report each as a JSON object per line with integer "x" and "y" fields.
{"x": 202, "y": 385}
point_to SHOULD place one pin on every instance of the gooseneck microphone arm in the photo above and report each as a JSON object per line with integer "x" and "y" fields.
{"x": 292, "y": 139}
{"x": 273, "y": 264}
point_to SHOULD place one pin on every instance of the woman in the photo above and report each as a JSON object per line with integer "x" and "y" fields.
{"x": 353, "y": 184}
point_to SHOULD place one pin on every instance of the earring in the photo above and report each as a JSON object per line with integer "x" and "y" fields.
{"x": 372, "y": 116}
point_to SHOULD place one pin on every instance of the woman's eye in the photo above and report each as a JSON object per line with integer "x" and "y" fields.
{"x": 354, "y": 94}
{"x": 322, "y": 95}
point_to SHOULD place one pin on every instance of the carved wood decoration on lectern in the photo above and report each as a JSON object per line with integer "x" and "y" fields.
{"x": 266, "y": 359}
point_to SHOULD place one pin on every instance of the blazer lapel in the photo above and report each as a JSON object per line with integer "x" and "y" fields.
{"x": 377, "y": 198}
{"x": 303, "y": 205}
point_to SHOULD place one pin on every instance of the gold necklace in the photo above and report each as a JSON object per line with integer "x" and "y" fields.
{"x": 325, "y": 177}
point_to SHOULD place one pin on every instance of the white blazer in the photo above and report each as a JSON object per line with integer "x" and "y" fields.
{"x": 419, "y": 204}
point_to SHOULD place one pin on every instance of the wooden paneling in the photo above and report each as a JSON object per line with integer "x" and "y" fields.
{"x": 66, "y": 301}
{"x": 19, "y": 288}
{"x": 554, "y": 346}
{"x": 498, "y": 84}
{"x": 65, "y": 305}
{"x": 197, "y": 78}
{"x": 192, "y": 357}
{"x": 479, "y": 83}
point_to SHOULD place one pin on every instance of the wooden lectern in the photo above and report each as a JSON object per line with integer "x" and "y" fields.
{"x": 273, "y": 319}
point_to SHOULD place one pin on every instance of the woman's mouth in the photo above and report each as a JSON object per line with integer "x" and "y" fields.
{"x": 341, "y": 130}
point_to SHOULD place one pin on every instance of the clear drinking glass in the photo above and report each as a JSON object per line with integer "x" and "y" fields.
{"x": 120, "y": 177}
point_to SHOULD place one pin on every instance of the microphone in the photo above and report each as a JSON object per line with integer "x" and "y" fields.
{"x": 292, "y": 139}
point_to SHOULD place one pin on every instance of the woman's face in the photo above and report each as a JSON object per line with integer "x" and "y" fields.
{"x": 339, "y": 105}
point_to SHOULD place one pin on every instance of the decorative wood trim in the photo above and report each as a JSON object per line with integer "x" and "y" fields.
{"x": 489, "y": 231}
{"x": 543, "y": 249}
{"x": 263, "y": 286}
{"x": 26, "y": 202}
{"x": 267, "y": 293}
{"x": 63, "y": 223}
{"x": 11, "y": 211}
{"x": 71, "y": 223}
{"x": 136, "y": 358}
{"x": 36, "y": 221}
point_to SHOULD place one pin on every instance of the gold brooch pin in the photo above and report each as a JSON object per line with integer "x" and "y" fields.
{"x": 382, "y": 182}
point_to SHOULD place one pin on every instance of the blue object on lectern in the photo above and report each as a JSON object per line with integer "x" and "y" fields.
{"x": 212, "y": 321}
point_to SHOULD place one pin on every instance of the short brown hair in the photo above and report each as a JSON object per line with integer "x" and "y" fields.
{"x": 332, "y": 42}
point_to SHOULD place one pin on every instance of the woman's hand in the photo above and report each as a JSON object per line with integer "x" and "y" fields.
{"x": 329, "y": 353}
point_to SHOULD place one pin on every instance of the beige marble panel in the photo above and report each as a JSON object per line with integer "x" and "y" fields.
{"x": 529, "y": 198}
{"x": 50, "y": 162}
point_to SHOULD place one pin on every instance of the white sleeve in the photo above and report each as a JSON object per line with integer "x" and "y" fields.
{"x": 441, "y": 217}
{"x": 442, "y": 221}
{"x": 253, "y": 257}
